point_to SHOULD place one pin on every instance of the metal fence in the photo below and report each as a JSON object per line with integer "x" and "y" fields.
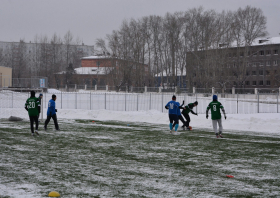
{"x": 12, "y": 103}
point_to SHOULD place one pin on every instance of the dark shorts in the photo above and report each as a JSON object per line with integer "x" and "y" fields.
{"x": 173, "y": 117}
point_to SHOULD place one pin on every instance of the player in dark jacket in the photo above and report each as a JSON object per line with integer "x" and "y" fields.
{"x": 186, "y": 111}
{"x": 51, "y": 113}
{"x": 32, "y": 104}
{"x": 39, "y": 108}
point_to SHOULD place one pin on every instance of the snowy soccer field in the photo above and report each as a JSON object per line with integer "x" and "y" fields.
{"x": 114, "y": 159}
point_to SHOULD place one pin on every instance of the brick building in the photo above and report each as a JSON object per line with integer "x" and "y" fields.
{"x": 112, "y": 71}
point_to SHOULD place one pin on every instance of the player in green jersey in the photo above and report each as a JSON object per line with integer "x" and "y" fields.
{"x": 216, "y": 116}
{"x": 186, "y": 111}
{"x": 31, "y": 106}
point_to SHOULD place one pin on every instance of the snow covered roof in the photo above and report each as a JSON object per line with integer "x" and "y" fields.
{"x": 261, "y": 41}
{"x": 96, "y": 57}
{"x": 93, "y": 70}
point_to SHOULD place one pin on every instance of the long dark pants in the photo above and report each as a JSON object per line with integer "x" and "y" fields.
{"x": 32, "y": 120}
{"x": 54, "y": 120}
{"x": 188, "y": 119}
{"x": 182, "y": 120}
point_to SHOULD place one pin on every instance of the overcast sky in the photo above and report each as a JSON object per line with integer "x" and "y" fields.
{"x": 92, "y": 19}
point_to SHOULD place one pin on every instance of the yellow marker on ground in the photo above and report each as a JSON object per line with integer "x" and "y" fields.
{"x": 54, "y": 194}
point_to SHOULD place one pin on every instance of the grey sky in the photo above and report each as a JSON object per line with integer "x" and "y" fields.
{"x": 92, "y": 19}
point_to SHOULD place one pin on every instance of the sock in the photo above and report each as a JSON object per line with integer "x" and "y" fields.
{"x": 170, "y": 126}
{"x": 176, "y": 127}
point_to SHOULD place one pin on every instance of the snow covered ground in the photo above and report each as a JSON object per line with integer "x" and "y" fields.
{"x": 262, "y": 122}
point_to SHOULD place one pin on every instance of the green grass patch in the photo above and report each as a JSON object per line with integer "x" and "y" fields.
{"x": 117, "y": 159}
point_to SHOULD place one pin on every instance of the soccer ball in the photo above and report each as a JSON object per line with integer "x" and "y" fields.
{"x": 190, "y": 128}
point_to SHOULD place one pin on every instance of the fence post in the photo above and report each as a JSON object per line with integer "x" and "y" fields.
{"x": 106, "y": 87}
{"x": 213, "y": 90}
{"x": 196, "y": 100}
{"x": 95, "y": 87}
{"x": 159, "y": 90}
{"x": 61, "y": 99}
{"x": 237, "y": 103}
{"x": 176, "y": 89}
{"x": 65, "y": 87}
{"x": 193, "y": 89}
{"x": 85, "y": 87}
{"x": 12, "y": 99}
{"x": 145, "y": 89}
{"x": 75, "y": 87}
{"x": 131, "y": 89}
{"x": 90, "y": 100}
{"x": 125, "y": 102}
{"x": 233, "y": 90}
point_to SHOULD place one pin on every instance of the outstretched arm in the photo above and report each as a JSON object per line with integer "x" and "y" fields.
{"x": 224, "y": 112}
{"x": 193, "y": 112}
{"x": 207, "y": 113}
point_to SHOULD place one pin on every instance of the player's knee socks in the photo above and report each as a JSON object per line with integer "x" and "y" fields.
{"x": 176, "y": 127}
{"x": 170, "y": 126}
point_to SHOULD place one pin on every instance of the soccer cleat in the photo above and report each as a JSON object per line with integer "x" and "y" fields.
{"x": 217, "y": 135}
{"x": 171, "y": 131}
{"x": 36, "y": 132}
{"x": 45, "y": 128}
{"x": 221, "y": 136}
{"x": 58, "y": 129}
{"x": 32, "y": 134}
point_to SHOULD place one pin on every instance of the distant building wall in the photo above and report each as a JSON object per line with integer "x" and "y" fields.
{"x": 5, "y": 76}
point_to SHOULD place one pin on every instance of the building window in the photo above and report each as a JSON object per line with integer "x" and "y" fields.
{"x": 234, "y": 55}
{"x": 254, "y": 73}
{"x": 247, "y": 73}
{"x": 98, "y": 63}
{"x": 241, "y": 54}
{"x": 267, "y": 72}
{"x": 255, "y": 53}
{"x": 275, "y": 52}
{"x": 275, "y": 62}
{"x": 247, "y": 83}
{"x": 267, "y": 63}
{"x": 261, "y": 72}
{"x": 268, "y": 52}
{"x": 254, "y": 83}
{"x": 248, "y": 53}
{"x": 268, "y": 82}
{"x": 254, "y": 64}
{"x": 261, "y": 53}
{"x": 261, "y": 82}
{"x": 247, "y": 64}
{"x": 261, "y": 64}
{"x": 234, "y": 64}
{"x": 229, "y": 55}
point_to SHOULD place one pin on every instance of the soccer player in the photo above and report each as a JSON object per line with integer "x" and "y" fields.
{"x": 51, "y": 113}
{"x": 186, "y": 111}
{"x": 180, "y": 117}
{"x": 39, "y": 107}
{"x": 173, "y": 107}
{"x": 215, "y": 107}
{"x": 31, "y": 106}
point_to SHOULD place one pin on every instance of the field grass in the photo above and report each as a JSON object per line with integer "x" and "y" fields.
{"x": 114, "y": 159}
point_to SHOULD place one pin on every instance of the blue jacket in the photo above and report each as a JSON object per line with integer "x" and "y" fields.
{"x": 172, "y": 106}
{"x": 51, "y": 108}
{"x": 178, "y": 110}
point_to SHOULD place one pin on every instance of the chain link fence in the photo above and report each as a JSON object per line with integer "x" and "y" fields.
{"x": 12, "y": 102}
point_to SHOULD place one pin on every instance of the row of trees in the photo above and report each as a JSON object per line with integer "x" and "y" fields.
{"x": 43, "y": 57}
{"x": 174, "y": 44}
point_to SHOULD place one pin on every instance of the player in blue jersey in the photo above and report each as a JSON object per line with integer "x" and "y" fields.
{"x": 51, "y": 113}
{"x": 180, "y": 117}
{"x": 173, "y": 108}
